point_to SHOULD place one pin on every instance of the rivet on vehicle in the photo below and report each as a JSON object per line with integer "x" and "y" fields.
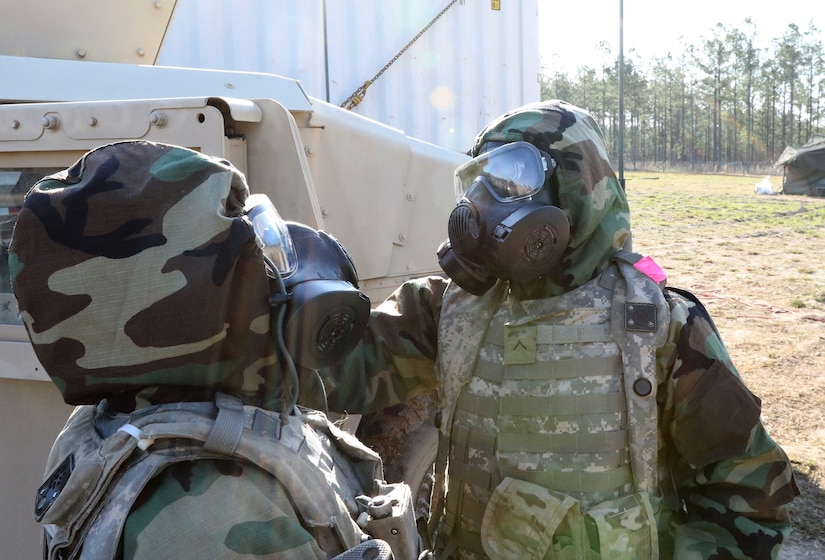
{"x": 92, "y": 121}
{"x": 50, "y": 122}
{"x": 157, "y": 118}
{"x": 141, "y": 51}
{"x": 80, "y": 53}
{"x": 15, "y": 124}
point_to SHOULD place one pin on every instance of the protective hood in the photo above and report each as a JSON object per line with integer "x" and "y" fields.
{"x": 585, "y": 186}
{"x": 140, "y": 280}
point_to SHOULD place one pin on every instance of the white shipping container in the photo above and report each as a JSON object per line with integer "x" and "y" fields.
{"x": 470, "y": 65}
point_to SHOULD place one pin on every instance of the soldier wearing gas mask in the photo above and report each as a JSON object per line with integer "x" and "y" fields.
{"x": 505, "y": 227}
{"x": 179, "y": 313}
{"x": 586, "y": 410}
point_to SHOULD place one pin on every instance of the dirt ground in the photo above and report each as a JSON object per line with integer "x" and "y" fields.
{"x": 760, "y": 274}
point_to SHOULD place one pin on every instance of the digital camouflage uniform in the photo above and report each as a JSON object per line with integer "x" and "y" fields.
{"x": 573, "y": 432}
{"x": 141, "y": 285}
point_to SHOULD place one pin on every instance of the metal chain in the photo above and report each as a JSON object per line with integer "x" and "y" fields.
{"x": 358, "y": 95}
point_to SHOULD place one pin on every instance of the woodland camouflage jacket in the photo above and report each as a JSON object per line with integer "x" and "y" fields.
{"x": 733, "y": 481}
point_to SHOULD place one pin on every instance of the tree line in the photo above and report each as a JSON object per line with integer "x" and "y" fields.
{"x": 725, "y": 104}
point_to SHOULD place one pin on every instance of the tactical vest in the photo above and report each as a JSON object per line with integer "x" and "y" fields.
{"x": 100, "y": 463}
{"x": 552, "y": 420}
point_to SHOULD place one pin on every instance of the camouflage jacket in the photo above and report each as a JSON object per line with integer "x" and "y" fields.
{"x": 727, "y": 482}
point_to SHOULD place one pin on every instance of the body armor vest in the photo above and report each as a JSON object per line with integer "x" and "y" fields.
{"x": 101, "y": 461}
{"x": 560, "y": 402}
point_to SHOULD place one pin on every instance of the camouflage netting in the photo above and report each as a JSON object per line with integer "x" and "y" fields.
{"x": 139, "y": 279}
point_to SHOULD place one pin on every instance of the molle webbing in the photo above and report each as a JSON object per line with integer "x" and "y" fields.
{"x": 300, "y": 454}
{"x": 554, "y": 369}
{"x": 576, "y": 481}
{"x": 459, "y": 334}
{"x": 559, "y": 334}
{"x": 530, "y": 441}
{"x": 464, "y": 503}
{"x": 463, "y": 440}
{"x": 563, "y": 443}
{"x": 562, "y": 405}
{"x": 472, "y": 484}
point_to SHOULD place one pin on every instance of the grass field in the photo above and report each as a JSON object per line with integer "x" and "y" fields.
{"x": 756, "y": 262}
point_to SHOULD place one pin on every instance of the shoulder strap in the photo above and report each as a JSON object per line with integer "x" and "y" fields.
{"x": 66, "y": 502}
{"x": 186, "y": 427}
{"x": 639, "y": 324}
{"x": 461, "y": 330}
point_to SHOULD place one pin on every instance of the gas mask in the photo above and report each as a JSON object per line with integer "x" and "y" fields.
{"x": 498, "y": 230}
{"x": 319, "y": 314}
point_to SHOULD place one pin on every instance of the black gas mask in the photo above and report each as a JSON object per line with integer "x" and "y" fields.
{"x": 498, "y": 230}
{"x": 320, "y": 315}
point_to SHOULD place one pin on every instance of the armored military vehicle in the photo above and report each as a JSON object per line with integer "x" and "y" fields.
{"x": 72, "y": 82}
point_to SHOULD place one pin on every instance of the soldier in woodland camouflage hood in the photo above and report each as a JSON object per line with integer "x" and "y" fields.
{"x": 586, "y": 410}
{"x": 141, "y": 277}
{"x": 582, "y": 184}
{"x": 110, "y": 223}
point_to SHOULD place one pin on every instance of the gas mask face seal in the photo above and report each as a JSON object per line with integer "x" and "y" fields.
{"x": 319, "y": 313}
{"x": 498, "y": 230}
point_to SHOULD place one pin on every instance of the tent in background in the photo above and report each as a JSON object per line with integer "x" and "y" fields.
{"x": 804, "y": 168}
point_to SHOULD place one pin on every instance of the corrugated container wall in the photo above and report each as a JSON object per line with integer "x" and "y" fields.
{"x": 472, "y": 64}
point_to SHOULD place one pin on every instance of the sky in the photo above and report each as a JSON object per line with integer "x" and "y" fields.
{"x": 655, "y": 27}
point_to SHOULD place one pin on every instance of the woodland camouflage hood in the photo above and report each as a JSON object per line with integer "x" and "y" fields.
{"x": 139, "y": 279}
{"x": 587, "y": 187}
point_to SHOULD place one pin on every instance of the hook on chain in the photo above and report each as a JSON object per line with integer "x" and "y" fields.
{"x": 356, "y": 97}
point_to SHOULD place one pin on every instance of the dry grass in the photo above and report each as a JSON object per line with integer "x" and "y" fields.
{"x": 756, "y": 261}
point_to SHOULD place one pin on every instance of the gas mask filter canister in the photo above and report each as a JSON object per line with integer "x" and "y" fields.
{"x": 315, "y": 279}
{"x": 498, "y": 230}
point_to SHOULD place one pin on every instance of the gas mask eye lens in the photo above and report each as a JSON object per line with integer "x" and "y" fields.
{"x": 272, "y": 233}
{"x": 510, "y": 172}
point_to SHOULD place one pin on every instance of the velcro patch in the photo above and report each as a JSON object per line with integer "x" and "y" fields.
{"x": 519, "y": 345}
{"x": 640, "y": 317}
